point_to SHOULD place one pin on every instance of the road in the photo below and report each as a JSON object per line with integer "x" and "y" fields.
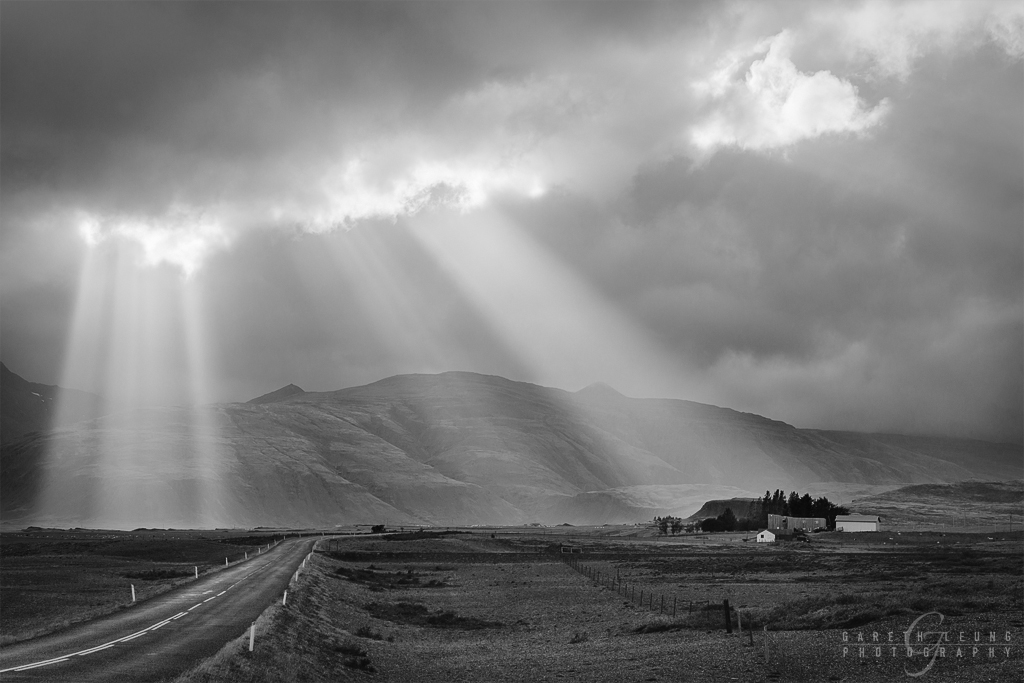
{"x": 164, "y": 636}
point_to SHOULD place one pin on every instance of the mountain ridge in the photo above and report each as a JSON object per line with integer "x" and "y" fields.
{"x": 462, "y": 447}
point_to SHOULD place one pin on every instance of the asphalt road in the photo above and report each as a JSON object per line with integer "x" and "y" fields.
{"x": 164, "y": 636}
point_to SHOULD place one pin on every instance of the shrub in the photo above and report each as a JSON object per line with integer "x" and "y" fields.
{"x": 368, "y": 633}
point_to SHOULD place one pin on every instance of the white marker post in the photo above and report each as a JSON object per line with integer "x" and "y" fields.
{"x": 252, "y": 635}
{"x": 133, "y": 592}
{"x": 284, "y": 599}
{"x": 247, "y": 554}
{"x": 225, "y": 561}
{"x": 197, "y": 571}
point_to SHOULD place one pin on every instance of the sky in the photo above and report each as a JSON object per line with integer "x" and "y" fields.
{"x": 810, "y": 211}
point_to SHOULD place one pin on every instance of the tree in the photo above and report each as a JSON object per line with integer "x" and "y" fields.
{"x": 728, "y": 520}
{"x": 677, "y": 525}
{"x": 663, "y": 525}
{"x": 377, "y": 529}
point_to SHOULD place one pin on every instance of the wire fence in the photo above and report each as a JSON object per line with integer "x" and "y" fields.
{"x": 780, "y": 662}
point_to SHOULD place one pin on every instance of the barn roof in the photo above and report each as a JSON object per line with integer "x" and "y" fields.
{"x": 856, "y": 518}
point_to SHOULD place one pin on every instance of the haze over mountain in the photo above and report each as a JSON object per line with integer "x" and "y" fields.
{"x": 31, "y": 407}
{"x": 457, "y": 448}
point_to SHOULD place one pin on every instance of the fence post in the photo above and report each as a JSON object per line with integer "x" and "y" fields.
{"x": 675, "y": 599}
{"x": 197, "y": 571}
{"x": 662, "y": 611}
{"x": 728, "y": 621}
{"x": 766, "y": 643}
{"x": 739, "y": 622}
{"x": 133, "y": 592}
{"x": 225, "y": 561}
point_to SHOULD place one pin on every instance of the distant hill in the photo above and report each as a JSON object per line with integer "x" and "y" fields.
{"x": 741, "y": 507}
{"x": 459, "y": 447}
{"x": 27, "y": 407}
{"x": 278, "y": 395}
{"x": 961, "y": 505}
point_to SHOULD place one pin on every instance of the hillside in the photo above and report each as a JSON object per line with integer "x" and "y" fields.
{"x": 277, "y": 395}
{"x": 741, "y": 507}
{"x": 27, "y": 407}
{"x": 451, "y": 448}
{"x": 968, "y": 505}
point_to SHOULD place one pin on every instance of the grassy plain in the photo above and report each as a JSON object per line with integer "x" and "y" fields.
{"x": 507, "y": 605}
{"x": 52, "y": 578}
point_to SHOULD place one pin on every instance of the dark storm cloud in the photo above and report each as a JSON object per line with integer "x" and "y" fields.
{"x": 851, "y": 265}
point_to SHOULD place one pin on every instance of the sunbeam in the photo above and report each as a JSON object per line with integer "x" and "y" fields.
{"x": 137, "y": 340}
{"x": 562, "y": 330}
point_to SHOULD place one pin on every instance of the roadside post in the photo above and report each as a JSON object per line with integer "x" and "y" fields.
{"x": 133, "y": 592}
{"x": 252, "y": 635}
{"x": 728, "y": 621}
{"x": 197, "y": 570}
{"x": 284, "y": 599}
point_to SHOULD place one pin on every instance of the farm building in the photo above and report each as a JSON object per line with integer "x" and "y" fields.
{"x": 784, "y": 524}
{"x": 857, "y": 522}
{"x": 766, "y": 537}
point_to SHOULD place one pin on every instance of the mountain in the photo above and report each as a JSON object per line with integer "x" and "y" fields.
{"x": 960, "y": 505}
{"x": 451, "y": 448}
{"x": 741, "y": 507}
{"x": 279, "y": 395}
{"x": 27, "y": 407}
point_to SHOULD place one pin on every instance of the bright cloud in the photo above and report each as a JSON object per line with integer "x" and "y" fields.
{"x": 775, "y": 104}
{"x": 183, "y": 237}
{"x": 890, "y": 38}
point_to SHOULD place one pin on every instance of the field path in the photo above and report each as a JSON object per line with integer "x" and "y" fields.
{"x": 164, "y": 636}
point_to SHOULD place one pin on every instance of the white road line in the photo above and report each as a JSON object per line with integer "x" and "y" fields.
{"x": 95, "y": 649}
{"x": 39, "y": 664}
{"x": 133, "y": 636}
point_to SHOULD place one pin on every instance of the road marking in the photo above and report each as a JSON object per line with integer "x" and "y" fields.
{"x": 95, "y": 649}
{"x": 133, "y": 636}
{"x": 36, "y": 666}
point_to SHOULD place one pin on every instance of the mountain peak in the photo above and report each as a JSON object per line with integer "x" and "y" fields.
{"x": 278, "y": 395}
{"x": 600, "y": 390}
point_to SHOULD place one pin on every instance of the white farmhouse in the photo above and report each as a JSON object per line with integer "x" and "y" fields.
{"x": 857, "y": 522}
{"x": 766, "y": 537}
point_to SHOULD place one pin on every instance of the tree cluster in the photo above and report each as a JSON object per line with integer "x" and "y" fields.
{"x": 666, "y": 524}
{"x": 796, "y": 505}
{"x": 778, "y": 503}
{"x": 724, "y": 522}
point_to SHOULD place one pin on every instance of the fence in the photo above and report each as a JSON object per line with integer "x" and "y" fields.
{"x": 645, "y": 598}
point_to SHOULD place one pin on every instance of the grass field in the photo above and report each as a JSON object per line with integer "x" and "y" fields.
{"x": 497, "y": 605}
{"x": 50, "y": 579}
